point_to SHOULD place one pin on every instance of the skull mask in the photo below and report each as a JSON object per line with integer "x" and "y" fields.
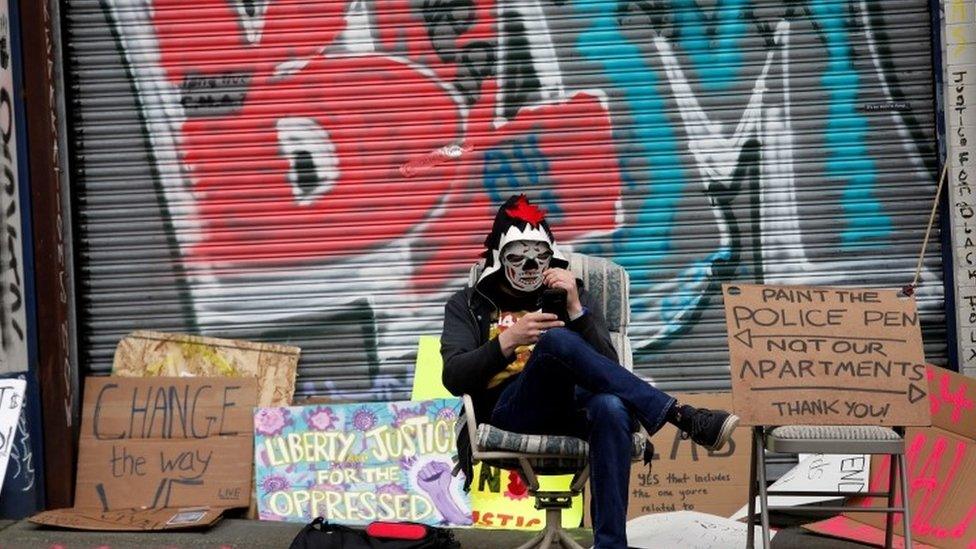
{"x": 524, "y": 262}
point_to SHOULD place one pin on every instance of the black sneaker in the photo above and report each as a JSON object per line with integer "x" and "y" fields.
{"x": 709, "y": 428}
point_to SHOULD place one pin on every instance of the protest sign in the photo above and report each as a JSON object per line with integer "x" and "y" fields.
{"x": 686, "y": 477}
{"x": 11, "y": 402}
{"x": 128, "y": 520}
{"x": 177, "y": 449}
{"x": 689, "y": 530}
{"x": 500, "y": 500}
{"x": 499, "y": 497}
{"x": 941, "y": 474}
{"x": 146, "y": 353}
{"x": 817, "y": 355}
{"x": 846, "y": 473}
{"x": 356, "y": 463}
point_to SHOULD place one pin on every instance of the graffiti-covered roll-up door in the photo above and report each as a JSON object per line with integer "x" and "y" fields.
{"x": 322, "y": 173}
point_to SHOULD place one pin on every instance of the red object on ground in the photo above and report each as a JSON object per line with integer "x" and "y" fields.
{"x": 396, "y": 530}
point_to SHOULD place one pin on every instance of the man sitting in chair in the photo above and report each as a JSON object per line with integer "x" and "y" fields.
{"x": 532, "y": 372}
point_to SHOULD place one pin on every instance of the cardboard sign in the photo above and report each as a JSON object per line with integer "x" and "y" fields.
{"x": 160, "y": 444}
{"x": 147, "y": 354}
{"x": 130, "y": 519}
{"x": 356, "y": 463}
{"x": 825, "y": 356}
{"x": 686, "y": 477}
{"x": 689, "y": 530}
{"x": 499, "y": 498}
{"x": 11, "y": 402}
{"x": 941, "y": 474}
{"x": 819, "y": 473}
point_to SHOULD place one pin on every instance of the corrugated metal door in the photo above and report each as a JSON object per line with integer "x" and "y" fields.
{"x": 322, "y": 173}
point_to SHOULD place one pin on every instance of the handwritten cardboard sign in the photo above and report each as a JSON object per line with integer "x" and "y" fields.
{"x": 11, "y": 402}
{"x": 817, "y": 355}
{"x": 356, "y": 463}
{"x": 129, "y": 520}
{"x": 941, "y": 474}
{"x": 145, "y": 353}
{"x": 846, "y": 473}
{"x": 686, "y": 477}
{"x": 688, "y": 530}
{"x": 172, "y": 445}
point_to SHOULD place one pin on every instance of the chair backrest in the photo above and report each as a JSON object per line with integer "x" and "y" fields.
{"x": 608, "y": 286}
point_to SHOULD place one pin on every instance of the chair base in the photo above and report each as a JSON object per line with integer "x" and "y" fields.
{"x": 553, "y": 534}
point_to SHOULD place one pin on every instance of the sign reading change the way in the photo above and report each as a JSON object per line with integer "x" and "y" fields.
{"x": 816, "y": 355}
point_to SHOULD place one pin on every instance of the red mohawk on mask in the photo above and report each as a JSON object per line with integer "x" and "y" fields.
{"x": 529, "y": 213}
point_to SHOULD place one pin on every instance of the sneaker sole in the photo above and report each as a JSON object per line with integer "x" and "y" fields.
{"x": 728, "y": 427}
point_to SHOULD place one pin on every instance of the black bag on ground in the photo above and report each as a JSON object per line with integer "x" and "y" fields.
{"x": 321, "y": 534}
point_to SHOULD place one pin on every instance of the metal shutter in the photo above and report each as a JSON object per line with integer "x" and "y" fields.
{"x": 322, "y": 173}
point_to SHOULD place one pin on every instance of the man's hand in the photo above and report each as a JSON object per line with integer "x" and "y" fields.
{"x": 527, "y": 331}
{"x": 561, "y": 278}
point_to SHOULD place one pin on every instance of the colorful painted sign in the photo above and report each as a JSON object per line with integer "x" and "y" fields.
{"x": 356, "y": 463}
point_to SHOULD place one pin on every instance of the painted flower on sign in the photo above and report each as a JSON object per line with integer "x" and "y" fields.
{"x": 446, "y": 412}
{"x": 271, "y": 421}
{"x": 321, "y": 418}
{"x": 363, "y": 419}
{"x": 275, "y": 483}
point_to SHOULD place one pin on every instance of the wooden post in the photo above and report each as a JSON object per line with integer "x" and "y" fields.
{"x": 57, "y": 373}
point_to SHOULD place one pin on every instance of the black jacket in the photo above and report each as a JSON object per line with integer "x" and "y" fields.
{"x": 471, "y": 359}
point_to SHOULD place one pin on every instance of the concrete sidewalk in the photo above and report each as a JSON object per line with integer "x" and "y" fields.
{"x": 246, "y": 534}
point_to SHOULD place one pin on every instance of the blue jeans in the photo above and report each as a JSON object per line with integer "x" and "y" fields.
{"x": 568, "y": 388}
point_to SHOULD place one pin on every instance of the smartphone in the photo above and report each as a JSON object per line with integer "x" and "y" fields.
{"x": 553, "y": 300}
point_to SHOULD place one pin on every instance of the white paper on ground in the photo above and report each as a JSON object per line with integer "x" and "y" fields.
{"x": 688, "y": 530}
{"x": 11, "y": 401}
{"x": 819, "y": 473}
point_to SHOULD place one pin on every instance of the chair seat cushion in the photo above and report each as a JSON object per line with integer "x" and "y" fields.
{"x": 491, "y": 438}
{"x": 834, "y": 439}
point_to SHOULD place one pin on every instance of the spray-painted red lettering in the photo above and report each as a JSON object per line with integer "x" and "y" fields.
{"x": 941, "y": 394}
{"x": 934, "y": 462}
{"x": 289, "y": 139}
{"x": 315, "y": 145}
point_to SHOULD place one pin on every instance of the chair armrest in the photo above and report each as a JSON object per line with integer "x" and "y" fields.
{"x": 472, "y": 424}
